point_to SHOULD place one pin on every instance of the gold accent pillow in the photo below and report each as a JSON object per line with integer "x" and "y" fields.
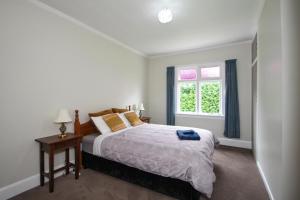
{"x": 101, "y": 113}
{"x": 133, "y": 118}
{"x": 114, "y": 122}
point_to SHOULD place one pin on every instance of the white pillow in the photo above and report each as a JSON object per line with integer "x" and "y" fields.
{"x": 101, "y": 125}
{"x": 124, "y": 119}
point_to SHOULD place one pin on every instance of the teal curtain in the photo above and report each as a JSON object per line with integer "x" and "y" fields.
{"x": 232, "y": 114}
{"x": 170, "y": 95}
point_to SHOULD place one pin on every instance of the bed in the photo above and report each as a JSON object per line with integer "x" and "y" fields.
{"x": 151, "y": 155}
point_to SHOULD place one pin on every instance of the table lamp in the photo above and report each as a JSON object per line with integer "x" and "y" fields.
{"x": 62, "y": 118}
{"x": 141, "y": 109}
{"x": 134, "y": 107}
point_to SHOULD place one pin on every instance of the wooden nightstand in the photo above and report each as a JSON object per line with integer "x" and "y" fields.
{"x": 52, "y": 144}
{"x": 145, "y": 119}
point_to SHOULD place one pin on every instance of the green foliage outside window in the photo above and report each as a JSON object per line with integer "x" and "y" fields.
{"x": 188, "y": 97}
{"x": 210, "y": 97}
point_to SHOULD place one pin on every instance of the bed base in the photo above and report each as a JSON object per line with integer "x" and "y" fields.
{"x": 172, "y": 187}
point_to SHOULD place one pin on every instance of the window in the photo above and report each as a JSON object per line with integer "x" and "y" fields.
{"x": 200, "y": 89}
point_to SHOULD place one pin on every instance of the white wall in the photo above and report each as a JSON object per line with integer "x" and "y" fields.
{"x": 290, "y": 98}
{"x": 269, "y": 133}
{"x": 48, "y": 63}
{"x": 157, "y": 86}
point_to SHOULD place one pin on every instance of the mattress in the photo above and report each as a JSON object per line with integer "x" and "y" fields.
{"x": 88, "y": 142}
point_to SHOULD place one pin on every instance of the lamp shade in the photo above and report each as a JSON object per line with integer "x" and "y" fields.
{"x": 134, "y": 107}
{"x": 142, "y": 107}
{"x": 63, "y": 116}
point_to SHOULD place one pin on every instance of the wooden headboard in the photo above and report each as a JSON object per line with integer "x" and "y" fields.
{"x": 86, "y": 128}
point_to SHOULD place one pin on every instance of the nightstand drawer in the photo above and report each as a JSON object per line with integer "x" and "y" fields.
{"x": 65, "y": 145}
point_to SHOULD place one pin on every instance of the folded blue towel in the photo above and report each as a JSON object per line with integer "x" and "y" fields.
{"x": 187, "y": 135}
{"x": 186, "y": 132}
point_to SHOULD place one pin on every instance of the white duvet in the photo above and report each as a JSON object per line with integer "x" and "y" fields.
{"x": 157, "y": 149}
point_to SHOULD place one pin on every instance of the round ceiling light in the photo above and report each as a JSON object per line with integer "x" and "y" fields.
{"x": 165, "y": 16}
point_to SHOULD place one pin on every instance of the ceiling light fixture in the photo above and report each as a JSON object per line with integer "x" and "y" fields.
{"x": 165, "y": 16}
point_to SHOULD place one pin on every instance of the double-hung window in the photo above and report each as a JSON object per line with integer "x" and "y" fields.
{"x": 200, "y": 89}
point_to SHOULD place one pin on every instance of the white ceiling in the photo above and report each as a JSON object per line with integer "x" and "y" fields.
{"x": 196, "y": 23}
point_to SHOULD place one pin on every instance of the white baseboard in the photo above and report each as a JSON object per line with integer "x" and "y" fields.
{"x": 265, "y": 181}
{"x": 19, "y": 187}
{"x": 236, "y": 143}
{"x": 28, "y": 183}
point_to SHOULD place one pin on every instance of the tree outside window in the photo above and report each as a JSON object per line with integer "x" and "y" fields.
{"x": 199, "y": 90}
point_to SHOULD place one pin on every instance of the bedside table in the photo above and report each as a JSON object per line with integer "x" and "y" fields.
{"x": 145, "y": 119}
{"x": 52, "y": 144}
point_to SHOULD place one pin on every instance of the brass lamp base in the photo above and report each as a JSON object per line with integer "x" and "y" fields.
{"x": 62, "y": 129}
{"x": 62, "y": 135}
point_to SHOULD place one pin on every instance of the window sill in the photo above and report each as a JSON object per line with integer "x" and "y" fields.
{"x": 197, "y": 115}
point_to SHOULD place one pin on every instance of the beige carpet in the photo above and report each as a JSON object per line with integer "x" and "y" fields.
{"x": 237, "y": 179}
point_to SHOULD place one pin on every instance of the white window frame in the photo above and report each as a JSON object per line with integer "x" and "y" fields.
{"x": 198, "y": 82}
